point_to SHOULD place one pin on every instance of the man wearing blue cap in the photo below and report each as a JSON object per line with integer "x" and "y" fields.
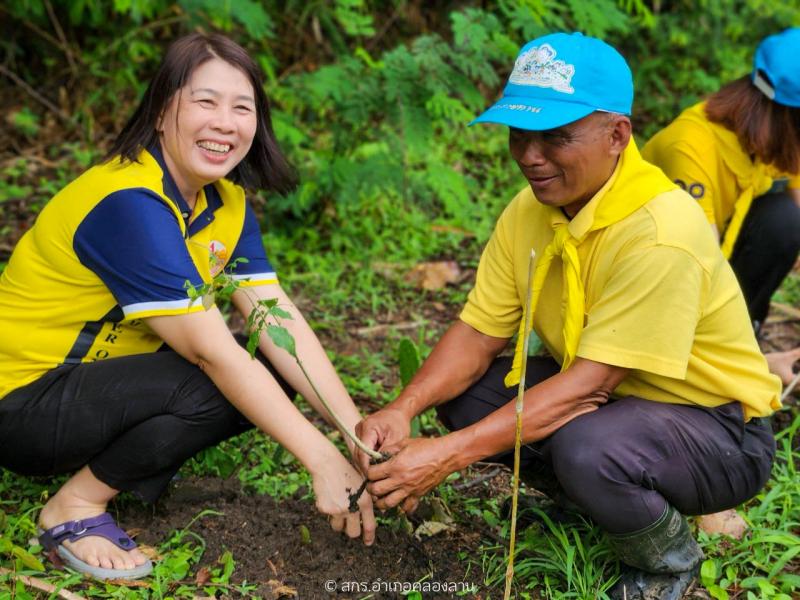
{"x": 650, "y": 403}
{"x": 738, "y": 154}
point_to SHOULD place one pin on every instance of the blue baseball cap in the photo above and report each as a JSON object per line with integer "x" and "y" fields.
{"x": 776, "y": 71}
{"x": 560, "y": 78}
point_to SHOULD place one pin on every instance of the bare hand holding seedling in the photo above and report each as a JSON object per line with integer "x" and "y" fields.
{"x": 384, "y": 432}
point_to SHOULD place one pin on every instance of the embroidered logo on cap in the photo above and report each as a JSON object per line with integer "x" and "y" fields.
{"x": 538, "y": 67}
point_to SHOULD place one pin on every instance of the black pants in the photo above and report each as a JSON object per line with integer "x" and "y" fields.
{"x": 623, "y": 463}
{"x": 134, "y": 420}
{"x": 766, "y": 250}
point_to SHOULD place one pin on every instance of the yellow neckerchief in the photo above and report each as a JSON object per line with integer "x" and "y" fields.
{"x": 752, "y": 177}
{"x": 633, "y": 184}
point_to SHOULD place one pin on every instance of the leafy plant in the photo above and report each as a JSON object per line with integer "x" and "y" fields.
{"x": 265, "y": 317}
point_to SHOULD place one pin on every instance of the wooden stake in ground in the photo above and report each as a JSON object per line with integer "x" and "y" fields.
{"x": 526, "y": 332}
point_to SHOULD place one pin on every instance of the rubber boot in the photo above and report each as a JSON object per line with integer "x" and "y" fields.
{"x": 662, "y": 560}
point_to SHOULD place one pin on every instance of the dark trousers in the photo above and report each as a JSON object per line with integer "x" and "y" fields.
{"x": 766, "y": 250}
{"x": 623, "y": 463}
{"x": 134, "y": 420}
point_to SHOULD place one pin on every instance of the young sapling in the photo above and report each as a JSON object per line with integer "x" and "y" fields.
{"x": 265, "y": 317}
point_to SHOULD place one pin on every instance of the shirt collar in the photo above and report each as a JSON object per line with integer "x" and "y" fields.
{"x": 213, "y": 198}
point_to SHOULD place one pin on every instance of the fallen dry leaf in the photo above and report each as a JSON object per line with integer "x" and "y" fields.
{"x": 203, "y": 576}
{"x": 727, "y": 522}
{"x": 280, "y": 590}
{"x": 433, "y": 275}
{"x": 271, "y": 565}
{"x": 150, "y": 552}
{"x": 430, "y": 528}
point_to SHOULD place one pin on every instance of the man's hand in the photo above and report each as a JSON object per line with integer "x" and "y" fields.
{"x": 383, "y": 431}
{"x": 419, "y": 466}
{"x": 781, "y": 363}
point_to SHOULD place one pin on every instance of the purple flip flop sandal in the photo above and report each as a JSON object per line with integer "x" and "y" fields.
{"x": 103, "y": 526}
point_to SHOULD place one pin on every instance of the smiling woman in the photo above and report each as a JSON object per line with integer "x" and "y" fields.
{"x": 108, "y": 368}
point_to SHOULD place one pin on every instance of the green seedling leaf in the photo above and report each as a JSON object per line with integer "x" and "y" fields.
{"x": 252, "y": 343}
{"x": 281, "y": 337}
{"x": 28, "y": 559}
{"x": 268, "y": 303}
{"x": 226, "y": 560}
{"x": 708, "y": 572}
{"x": 277, "y": 311}
{"x": 408, "y": 358}
{"x": 717, "y": 592}
{"x": 305, "y": 534}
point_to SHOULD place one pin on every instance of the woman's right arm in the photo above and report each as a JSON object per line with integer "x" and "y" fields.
{"x": 203, "y": 339}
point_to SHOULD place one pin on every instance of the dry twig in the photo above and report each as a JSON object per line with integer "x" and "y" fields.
{"x": 36, "y": 95}
{"x": 60, "y": 33}
{"x": 41, "y": 585}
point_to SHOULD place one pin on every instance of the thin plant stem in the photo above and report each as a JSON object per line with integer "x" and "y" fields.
{"x": 342, "y": 427}
{"x": 790, "y": 387}
{"x": 336, "y": 418}
{"x": 519, "y": 405}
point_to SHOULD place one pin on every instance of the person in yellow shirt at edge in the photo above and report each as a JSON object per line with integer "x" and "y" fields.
{"x": 738, "y": 155}
{"x": 652, "y": 400}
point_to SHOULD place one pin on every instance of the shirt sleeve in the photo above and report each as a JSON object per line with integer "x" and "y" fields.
{"x": 132, "y": 241}
{"x": 493, "y": 306}
{"x": 256, "y": 268}
{"x": 647, "y": 313}
{"x": 691, "y": 175}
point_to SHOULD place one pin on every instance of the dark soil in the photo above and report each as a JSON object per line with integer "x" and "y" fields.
{"x": 267, "y": 541}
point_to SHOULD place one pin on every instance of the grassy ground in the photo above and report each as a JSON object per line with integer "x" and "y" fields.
{"x": 353, "y": 299}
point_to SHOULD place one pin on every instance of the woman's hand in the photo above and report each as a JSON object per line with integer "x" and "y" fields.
{"x": 781, "y": 363}
{"x": 383, "y": 431}
{"x": 334, "y": 484}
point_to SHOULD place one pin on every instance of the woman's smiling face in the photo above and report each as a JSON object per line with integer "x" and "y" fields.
{"x": 208, "y": 126}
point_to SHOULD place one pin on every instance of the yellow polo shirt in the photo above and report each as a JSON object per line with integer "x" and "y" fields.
{"x": 660, "y": 299}
{"x": 707, "y": 160}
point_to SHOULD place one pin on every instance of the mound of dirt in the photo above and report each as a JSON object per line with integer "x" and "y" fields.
{"x": 289, "y": 550}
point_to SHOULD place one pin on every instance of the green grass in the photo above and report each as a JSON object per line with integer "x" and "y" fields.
{"x": 561, "y": 563}
{"x": 789, "y": 292}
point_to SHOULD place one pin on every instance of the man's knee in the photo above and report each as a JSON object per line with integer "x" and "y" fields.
{"x": 580, "y": 452}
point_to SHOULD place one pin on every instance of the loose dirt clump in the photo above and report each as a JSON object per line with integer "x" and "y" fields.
{"x": 290, "y": 551}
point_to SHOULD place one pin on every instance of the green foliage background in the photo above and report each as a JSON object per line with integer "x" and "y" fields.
{"x": 372, "y": 100}
{"x": 372, "y": 97}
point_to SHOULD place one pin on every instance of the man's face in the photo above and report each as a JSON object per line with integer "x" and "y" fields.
{"x": 566, "y": 166}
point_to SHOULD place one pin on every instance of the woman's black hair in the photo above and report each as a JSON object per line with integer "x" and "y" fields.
{"x": 264, "y": 167}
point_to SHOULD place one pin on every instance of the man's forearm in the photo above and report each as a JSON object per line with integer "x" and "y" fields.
{"x": 548, "y": 406}
{"x": 457, "y": 361}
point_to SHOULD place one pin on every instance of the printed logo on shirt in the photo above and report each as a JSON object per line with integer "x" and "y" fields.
{"x": 218, "y": 256}
{"x": 538, "y": 67}
{"x": 695, "y": 190}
